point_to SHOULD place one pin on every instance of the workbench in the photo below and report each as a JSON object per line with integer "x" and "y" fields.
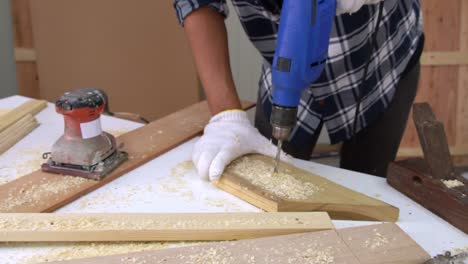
{"x": 169, "y": 184}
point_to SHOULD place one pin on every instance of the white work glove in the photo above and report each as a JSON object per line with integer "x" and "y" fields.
{"x": 351, "y": 6}
{"x": 228, "y": 136}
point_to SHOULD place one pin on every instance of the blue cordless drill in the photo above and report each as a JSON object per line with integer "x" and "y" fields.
{"x": 301, "y": 52}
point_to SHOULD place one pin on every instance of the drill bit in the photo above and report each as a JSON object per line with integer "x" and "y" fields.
{"x": 278, "y": 157}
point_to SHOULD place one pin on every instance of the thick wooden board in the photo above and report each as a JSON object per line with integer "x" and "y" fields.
{"x": 14, "y": 133}
{"x": 44, "y": 192}
{"x": 156, "y": 227}
{"x": 31, "y": 107}
{"x": 412, "y": 178}
{"x": 383, "y": 243}
{"x": 338, "y": 201}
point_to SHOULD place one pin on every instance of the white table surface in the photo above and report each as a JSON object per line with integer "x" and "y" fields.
{"x": 163, "y": 186}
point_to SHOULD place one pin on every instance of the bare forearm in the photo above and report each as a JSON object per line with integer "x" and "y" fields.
{"x": 207, "y": 36}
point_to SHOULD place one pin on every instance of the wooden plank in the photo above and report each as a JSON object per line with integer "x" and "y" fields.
{"x": 156, "y": 227}
{"x": 22, "y": 23}
{"x": 30, "y": 107}
{"x": 433, "y": 58}
{"x": 317, "y": 247}
{"x": 44, "y": 192}
{"x": 14, "y": 133}
{"x": 250, "y": 178}
{"x": 25, "y": 55}
{"x": 385, "y": 243}
{"x": 459, "y": 150}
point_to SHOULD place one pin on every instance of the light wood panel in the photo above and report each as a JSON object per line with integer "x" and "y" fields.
{"x": 45, "y": 192}
{"x": 338, "y": 201}
{"x": 383, "y": 243}
{"x": 443, "y": 82}
{"x": 14, "y": 133}
{"x": 156, "y": 227}
{"x": 31, "y": 107}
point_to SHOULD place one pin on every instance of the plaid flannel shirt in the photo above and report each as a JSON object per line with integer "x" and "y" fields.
{"x": 332, "y": 98}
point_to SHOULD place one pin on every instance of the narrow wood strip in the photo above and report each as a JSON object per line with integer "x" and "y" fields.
{"x": 437, "y": 58}
{"x": 10, "y": 136}
{"x": 44, "y": 192}
{"x": 25, "y": 55}
{"x": 156, "y": 227}
{"x": 30, "y": 107}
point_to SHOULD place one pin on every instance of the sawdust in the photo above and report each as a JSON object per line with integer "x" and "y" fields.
{"x": 452, "y": 183}
{"x": 118, "y": 198}
{"x": 176, "y": 183}
{"x": 283, "y": 184}
{"x": 88, "y": 250}
{"x": 222, "y": 203}
{"x": 33, "y": 194}
{"x": 18, "y": 169}
{"x": 378, "y": 240}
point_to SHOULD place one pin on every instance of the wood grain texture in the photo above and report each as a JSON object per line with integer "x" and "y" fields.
{"x": 444, "y": 58}
{"x": 338, "y": 201}
{"x": 156, "y": 227}
{"x": 412, "y": 178}
{"x": 331, "y": 246}
{"x": 44, "y": 192}
{"x": 31, "y": 107}
{"x": 438, "y": 85}
{"x": 462, "y": 96}
{"x": 14, "y": 133}
{"x": 25, "y": 55}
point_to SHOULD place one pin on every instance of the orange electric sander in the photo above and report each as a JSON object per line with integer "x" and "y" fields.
{"x": 83, "y": 150}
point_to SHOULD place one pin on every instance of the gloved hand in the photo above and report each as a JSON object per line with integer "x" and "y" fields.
{"x": 351, "y": 6}
{"x": 228, "y": 136}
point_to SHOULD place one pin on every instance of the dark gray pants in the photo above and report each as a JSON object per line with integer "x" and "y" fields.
{"x": 374, "y": 147}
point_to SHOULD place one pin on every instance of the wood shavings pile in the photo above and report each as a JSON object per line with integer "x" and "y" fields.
{"x": 33, "y": 195}
{"x": 377, "y": 241}
{"x": 282, "y": 184}
{"x": 90, "y": 222}
{"x": 88, "y": 250}
{"x": 452, "y": 183}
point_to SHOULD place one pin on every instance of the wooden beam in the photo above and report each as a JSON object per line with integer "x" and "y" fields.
{"x": 294, "y": 190}
{"x": 417, "y": 152}
{"x": 382, "y": 243}
{"x": 156, "y": 227}
{"x": 30, "y": 107}
{"x": 14, "y": 133}
{"x": 437, "y": 58}
{"x": 40, "y": 192}
{"x": 25, "y": 55}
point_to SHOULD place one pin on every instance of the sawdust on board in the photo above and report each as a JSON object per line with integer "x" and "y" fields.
{"x": 18, "y": 169}
{"x": 88, "y": 250}
{"x": 283, "y": 184}
{"x": 34, "y": 194}
{"x": 378, "y": 240}
{"x": 452, "y": 183}
{"x": 118, "y": 132}
{"x": 101, "y": 223}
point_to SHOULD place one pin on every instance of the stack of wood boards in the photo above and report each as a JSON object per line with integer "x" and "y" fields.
{"x": 251, "y": 179}
{"x": 19, "y": 122}
{"x": 382, "y": 243}
{"x": 156, "y": 227}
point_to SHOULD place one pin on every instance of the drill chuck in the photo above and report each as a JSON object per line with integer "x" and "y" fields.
{"x": 282, "y": 120}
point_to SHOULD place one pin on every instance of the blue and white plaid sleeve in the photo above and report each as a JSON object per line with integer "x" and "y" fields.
{"x": 185, "y": 7}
